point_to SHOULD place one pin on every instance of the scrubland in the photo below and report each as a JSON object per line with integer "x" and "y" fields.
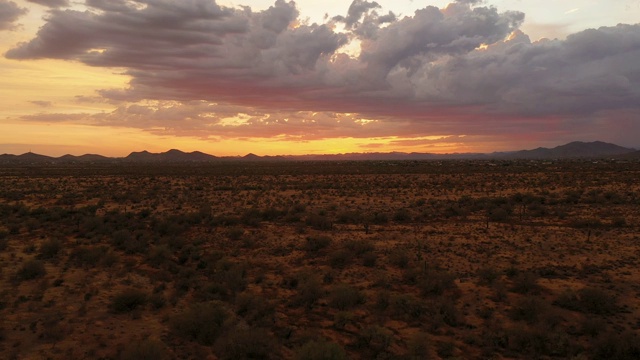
{"x": 321, "y": 260}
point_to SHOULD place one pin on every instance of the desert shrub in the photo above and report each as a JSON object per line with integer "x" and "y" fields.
{"x": 235, "y": 233}
{"x": 120, "y": 238}
{"x": 375, "y": 340}
{"x": 230, "y": 275}
{"x": 320, "y": 350}
{"x": 159, "y": 255}
{"x": 418, "y": 346}
{"x": 148, "y": 349}
{"x": 382, "y": 300}
{"x": 251, "y": 343}
{"x": 50, "y": 249}
{"x": 345, "y": 296}
{"x": 309, "y": 292}
{"x": 538, "y": 342}
{"x": 445, "y": 349}
{"x": 596, "y": 301}
{"x": 587, "y": 300}
{"x": 399, "y": 258}
{"x": 402, "y": 215}
{"x": 4, "y": 242}
{"x": 359, "y": 247}
{"x": 203, "y": 322}
{"x": 128, "y": 300}
{"x": 487, "y": 275}
{"x": 592, "y": 326}
{"x": 318, "y": 222}
{"x": 340, "y": 258}
{"x": 406, "y": 307}
{"x": 525, "y": 283}
{"x": 379, "y": 218}
{"x": 529, "y": 309}
{"x": 435, "y": 282}
{"x": 342, "y": 318}
{"x": 255, "y": 309}
{"x": 157, "y": 301}
{"x": 443, "y": 310}
{"x": 617, "y": 346}
{"x": 316, "y": 243}
{"x": 524, "y": 340}
{"x": 349, "y": 217}
{"x": 369, "y": 259}
{"x": 86, "y": 256}
{"x": 31, "y": 269}
{"x": 498, "y": 214}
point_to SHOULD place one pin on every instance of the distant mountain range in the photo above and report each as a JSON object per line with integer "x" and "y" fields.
{"x": 573, "y": 150}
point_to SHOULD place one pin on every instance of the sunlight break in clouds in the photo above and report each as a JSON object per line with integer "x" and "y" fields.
{"x": 199, "y": 69}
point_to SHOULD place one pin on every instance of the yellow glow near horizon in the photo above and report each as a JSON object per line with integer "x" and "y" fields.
{"x": 18, "y": 137}
{"x": 54, "y": 81}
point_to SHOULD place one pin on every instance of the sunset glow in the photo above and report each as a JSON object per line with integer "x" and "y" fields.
{"x": 272, "y": 78}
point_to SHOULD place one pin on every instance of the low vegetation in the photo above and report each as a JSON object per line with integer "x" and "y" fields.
{"x": 363, "y": 260}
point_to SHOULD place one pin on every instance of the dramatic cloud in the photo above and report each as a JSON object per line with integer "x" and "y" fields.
{"x": 9, "y": 13}
{"x": 51, "y": 3}
{"x": 437, "y": 71}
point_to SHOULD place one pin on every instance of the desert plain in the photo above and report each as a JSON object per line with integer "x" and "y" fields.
{"x": 321, "y": 260}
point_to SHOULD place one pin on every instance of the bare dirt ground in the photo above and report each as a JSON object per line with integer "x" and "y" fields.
{"x": 321, "y": 260}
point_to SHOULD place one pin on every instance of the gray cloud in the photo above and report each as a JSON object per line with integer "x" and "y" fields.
{"x": 51, "y": 3}
{"x": 462, "y": 69}
{"x": 355, "y": 12}
{"x": 42, "y": 103}
{"x": 9, "y": 13}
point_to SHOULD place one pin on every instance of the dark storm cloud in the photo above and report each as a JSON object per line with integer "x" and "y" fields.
{"x": 51, "y": 3}
{"x": 462, "y": 69}
{"x": 9, "y": 13}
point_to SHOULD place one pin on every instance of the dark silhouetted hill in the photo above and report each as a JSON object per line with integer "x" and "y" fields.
{"x": 172, "y": 155}
{"x": 573, "y": 150}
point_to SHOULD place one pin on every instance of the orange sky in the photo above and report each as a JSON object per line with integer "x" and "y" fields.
{"x": 366, "y": 78}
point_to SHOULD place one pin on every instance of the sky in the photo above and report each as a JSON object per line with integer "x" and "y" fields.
{"x": 311, "y": 77}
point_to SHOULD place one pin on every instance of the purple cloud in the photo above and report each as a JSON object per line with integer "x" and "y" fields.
{"x": 9, "y": 13}
{"x": 51, "y": 3}
{"x": 462, "y": 69}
